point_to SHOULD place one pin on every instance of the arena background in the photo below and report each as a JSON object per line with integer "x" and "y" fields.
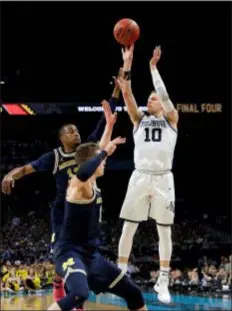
{"x": 56, "y": 58}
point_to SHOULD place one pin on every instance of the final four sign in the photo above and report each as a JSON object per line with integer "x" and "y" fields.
{"x": 199, "y": 108}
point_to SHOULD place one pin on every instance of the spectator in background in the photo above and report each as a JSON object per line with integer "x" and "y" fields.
{"x": 228, "y": 265}
{"x": 15, "y": 221}
{"x": 222, "y": 276}
{"x": 154, "y": 276}
{"x": 176, "y": 278}
{"x": 13, "y": 282}
{"x": 193, "y": 277}
{"x": 224, "y": 261}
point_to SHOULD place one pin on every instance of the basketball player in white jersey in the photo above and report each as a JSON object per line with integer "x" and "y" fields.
{"x": 151, "y": 187}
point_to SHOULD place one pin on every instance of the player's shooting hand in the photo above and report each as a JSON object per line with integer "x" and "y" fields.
{"x": 127, "y": 53}
{"x": 111, "y": 147}
{"x": 156, "y": 56}
{"x": 7, "y": 184}
{"x": 109, "y": 116}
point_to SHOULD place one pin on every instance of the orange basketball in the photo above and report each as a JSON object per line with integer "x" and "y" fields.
{"x": 126, "y": 31}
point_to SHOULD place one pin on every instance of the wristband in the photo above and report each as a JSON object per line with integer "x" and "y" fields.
{"x": 127, "y": 75}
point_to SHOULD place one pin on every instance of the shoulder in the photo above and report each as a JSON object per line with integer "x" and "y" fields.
{"x": 48, "y": 155}
{"x": 171, "y": 125}
{"x": 172, "y": 117}
{"x": 44, "y": 162}
{"x": 144, "y": 115}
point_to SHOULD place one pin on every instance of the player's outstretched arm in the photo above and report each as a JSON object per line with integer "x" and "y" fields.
{"x": 170, "y": 112}
{"x": 110, "y": 121}
{"x": 87, "y": 169}
{"x": 43, "y": 163}
{"x": 97, "y": 133}
{"x": 9, "y": 179}
{"x": 125, "y": 85}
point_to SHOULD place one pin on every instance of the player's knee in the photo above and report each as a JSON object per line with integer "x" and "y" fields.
{"x": 132, "y": 295}
{"x": 73, "y": 300}
{"x": 129, "y": 228}
{"x": 135, "y": 298}
{"x": 164, "y": 232}
{"x": 81, "y": 292}
{"x": 77, "y": 286}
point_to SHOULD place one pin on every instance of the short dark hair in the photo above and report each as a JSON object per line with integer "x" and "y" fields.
{"x": 62, "y": 129}
{"x": 85, "y": 151}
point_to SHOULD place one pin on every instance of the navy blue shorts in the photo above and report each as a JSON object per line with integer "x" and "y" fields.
{"x": 101, "y": 274}
{"x": 56, "y": 228}
{"x": 57, "y": 217}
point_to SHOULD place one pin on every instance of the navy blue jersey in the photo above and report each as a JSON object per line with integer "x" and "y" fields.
{"x": 81, "y": 225}
{"x": 63, "y": 166}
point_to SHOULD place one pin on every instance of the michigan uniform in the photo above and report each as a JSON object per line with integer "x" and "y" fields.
{"x": 77, "y": 247}
{"x": 79, "y": 263}
{"x": 151, "y": 190}
{"x": 63, "y": 166}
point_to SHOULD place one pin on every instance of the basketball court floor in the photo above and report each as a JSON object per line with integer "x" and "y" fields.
{"x": 41, "y": 301}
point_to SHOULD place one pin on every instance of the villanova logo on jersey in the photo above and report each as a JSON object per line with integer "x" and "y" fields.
{"x": 154, "y": 123}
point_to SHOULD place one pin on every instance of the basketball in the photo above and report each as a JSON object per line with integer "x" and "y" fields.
{"x": 126, "y": 31}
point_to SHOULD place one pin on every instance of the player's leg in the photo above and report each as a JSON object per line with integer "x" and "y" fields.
{"x": 71, "y": 268}
{"x": 129, "y": 291}
{"x": 125, "y": 243}
{"x": 162, "y": 210}
{"x": 134, "y": 210}
{"x": 59, "y": 288}
{"x": 58, "y": 284}
{"x": 105, "y": 276}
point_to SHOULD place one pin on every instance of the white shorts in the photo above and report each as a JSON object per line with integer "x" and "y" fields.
{"x": 150, "y": 195}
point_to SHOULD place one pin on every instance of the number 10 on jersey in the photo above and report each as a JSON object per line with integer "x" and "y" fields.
{"x": 153, "y": 134}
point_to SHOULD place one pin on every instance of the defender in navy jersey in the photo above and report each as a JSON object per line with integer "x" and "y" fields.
{"x": 61, "y": 164}
{"x": 151, "y": 190}
{"x": 76, "y": 254}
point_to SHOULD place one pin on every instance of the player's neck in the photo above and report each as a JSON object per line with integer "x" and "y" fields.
{"x": 158, "y": 114}
{"x": 68, "y": 149}
{"x": 93, "y": 180}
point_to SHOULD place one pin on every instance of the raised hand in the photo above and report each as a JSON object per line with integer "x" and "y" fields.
{"x": 156, "y": 56}
{"x": 109, "y": 116}
{"x": 120, "y": 74}
{"x": 127, "y": 53}
{"x": 111, "y": 147}
{"x": 121, "y": 83}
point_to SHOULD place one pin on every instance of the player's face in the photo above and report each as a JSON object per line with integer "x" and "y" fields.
{"x": 154, "y": 103}
{"x": 71, "y": 136}
{"x": 12, "y": 272}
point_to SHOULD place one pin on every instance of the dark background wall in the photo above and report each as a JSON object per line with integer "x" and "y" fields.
{"x": 66, "y": 51}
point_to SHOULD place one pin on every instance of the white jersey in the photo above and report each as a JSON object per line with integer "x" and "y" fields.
{"x": 155, "y": 141}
